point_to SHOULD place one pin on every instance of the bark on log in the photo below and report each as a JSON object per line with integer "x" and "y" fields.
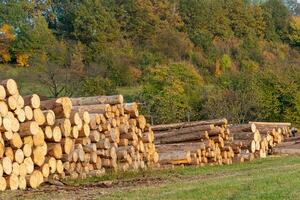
{"x": 184, "y": 138}
{"x": 216, "y": 122}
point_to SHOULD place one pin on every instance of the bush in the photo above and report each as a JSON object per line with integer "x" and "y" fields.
{"x": 169, "y": 91}
{"x": 96, "y": 86}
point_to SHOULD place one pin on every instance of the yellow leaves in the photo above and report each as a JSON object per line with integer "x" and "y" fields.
{"x": 294, "y": 35}
{"x": 22, "y": 60}
{"x": 6, "y": 31}
{"x": 134, "y": 73}
{"x": 6, "y": 39}
{"x": 296, "y": 22}
{"x": 5, "y": 57}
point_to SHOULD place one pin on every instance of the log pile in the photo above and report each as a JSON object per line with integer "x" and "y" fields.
{"x": 274, "y": 132}
{"x": 252, "y": 144}
{"x": 290, "y": 146}
{"x": 215, "y": 142}
{"x": 74, "y": 137}
{"x": 23, "y": 148}
{"x": 194, "y": 143}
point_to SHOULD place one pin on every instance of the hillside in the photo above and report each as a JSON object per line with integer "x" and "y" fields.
{"x": 182, "y": 60}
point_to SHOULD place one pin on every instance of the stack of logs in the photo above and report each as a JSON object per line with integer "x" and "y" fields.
{"x": 249, "y": 139}
{"x": 214, "y": 142}
{"x": 274, "y": 132}
{"x": 76, "y": 137}
{"x": 257, "y": 139}
{"x": 196, "y": 143}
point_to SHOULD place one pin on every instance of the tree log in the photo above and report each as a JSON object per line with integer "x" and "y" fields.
{"x": 216, "y": 122}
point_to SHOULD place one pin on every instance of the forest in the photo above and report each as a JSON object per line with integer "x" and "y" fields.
{"x": 180, "y": 59}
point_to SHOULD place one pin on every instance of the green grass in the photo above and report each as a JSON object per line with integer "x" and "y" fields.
{"x": 272, "y": 178}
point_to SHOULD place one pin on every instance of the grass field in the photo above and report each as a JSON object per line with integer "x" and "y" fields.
{"x": 272, "y": 178}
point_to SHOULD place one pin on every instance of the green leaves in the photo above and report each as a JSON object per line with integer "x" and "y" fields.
{"x": 169, "y": 91}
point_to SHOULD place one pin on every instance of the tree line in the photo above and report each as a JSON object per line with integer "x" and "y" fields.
{"x": 183, "y": 59}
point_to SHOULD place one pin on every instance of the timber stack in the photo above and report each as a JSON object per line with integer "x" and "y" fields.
{"x": 74, "y": 137}
{"x": 290, "y": 146}
{"x": 195, "y": 143}
{"x": 252, "y": 144}
{"x": 274, "y": 132}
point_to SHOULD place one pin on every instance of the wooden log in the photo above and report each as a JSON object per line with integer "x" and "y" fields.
{"x": 29, "y": 128}
{"x": 33, "y": 101}
{"x": 56, "y": 135}
{"x": 131, "y": 109}
{"x": 174, "y": 132}
{"x": 7, "y": 135}
{"x": 54, "y": 150}
{"x": 103, "y": 144}
{"x": 2, "y": 93}
{"x": 19, "y": 156}
{"x": 94, "y": 136}
{"x": 68, "y": 145}
{"x": 9, "y": 152}
{"x": 246, "y": 136}
{"x": 22, "y": 183}
{"x": 7, "y": 165}
{"x": 52, "y": 164}
{"x": 75, "y": 132}
{"x": 10, "y": 86}
{"x": 75, "y": 118}
{"x": 6, "y": 124}
{"x": 116, "y": 99}
{"x": 65, "y": 126}
{"x": 39, "y": 116}
{"x": 22, "y": 169}
{"x": 248, "y": 144}
{"x": 50, "y": 117}
{"x": 216, "y": 122}
{"x": 28, "y": 113}
{"x": 59, "y": 167}
{"x": 12, "y": 182}
{"x": 15, "y": 125}
{"x": 3, "y": 109}
{"x": 39, "y": 138}
{"x": 97, "y": 108}
{"x": 35, "y": 179}
{"x": 27, "y": 150}
{"x": 45, "y": 170}
{"x": 184, "y": 138}
{"x": 16, "y": 141}
{"x": 29, "y": 165}
{"x": 62, "y": 107}
{"x": 12, "y": 102}
{"x": 243, "y": 128}
{"x": 20, "y": 102}
{"x": 192, "y": 147}
{"x": 3, "y": 184}
{"x": 15, "y": 168}
{"x": 271, "y": 123}
{"x": 38, "y": 156}
{"x": 20, "y": 114}
{"x": 83, "y": 141}
{"x": 175, "y": 157}
{"x": 2, "y": 150}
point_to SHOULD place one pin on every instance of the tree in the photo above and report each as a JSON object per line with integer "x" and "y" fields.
{"x": 294, "y": 32}
{"x": 277, "y": 19}
{"x": 6, "y": 39}
{"x": 169, "y": 91}
{"x": 36, "y": 41}
{"x": 205, "y": 20}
